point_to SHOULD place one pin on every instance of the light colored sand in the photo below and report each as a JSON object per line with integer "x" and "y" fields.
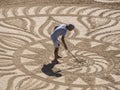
{"x": 25, "y": 46}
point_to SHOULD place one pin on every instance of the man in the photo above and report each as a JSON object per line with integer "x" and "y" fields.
{"x": 60, "y": 30}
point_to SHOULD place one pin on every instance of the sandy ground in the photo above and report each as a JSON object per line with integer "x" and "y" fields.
{"x": 26, "y": 50}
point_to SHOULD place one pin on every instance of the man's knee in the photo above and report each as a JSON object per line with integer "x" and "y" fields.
{"x": 56, "y": 49}
{"x": 58, "y": 45}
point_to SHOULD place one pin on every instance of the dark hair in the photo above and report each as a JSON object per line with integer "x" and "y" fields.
{"x": 71, "y": 26}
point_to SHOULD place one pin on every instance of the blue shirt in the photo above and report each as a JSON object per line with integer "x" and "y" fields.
{"x": 59, "y": 31}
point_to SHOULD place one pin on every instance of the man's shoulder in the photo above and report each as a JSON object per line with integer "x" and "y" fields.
{"x": 61, "y": 25}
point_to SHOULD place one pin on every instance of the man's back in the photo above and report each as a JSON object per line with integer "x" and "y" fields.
{"x": 60, "y": 30}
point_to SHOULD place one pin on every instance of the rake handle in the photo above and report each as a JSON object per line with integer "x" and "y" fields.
{"x": 73, "y": 55}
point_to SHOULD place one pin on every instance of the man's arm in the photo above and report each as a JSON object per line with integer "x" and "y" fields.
{"x": 63, "y": 40}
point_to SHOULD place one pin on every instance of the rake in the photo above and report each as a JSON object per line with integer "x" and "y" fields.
{"x": 76, "y": 59}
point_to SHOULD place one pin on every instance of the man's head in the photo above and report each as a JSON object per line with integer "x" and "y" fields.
{"x": 70, "y": 27}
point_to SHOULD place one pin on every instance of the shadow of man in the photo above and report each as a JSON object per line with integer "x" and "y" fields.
{"x": 47, "y": 69}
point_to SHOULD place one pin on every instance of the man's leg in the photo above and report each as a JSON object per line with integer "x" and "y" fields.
{"x": 57, "y": 45}
{"x": 56, "y": 53}
{"x": 56, "y": 56}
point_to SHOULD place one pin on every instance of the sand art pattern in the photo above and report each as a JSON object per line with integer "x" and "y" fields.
{"x": 25, "y": 46}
